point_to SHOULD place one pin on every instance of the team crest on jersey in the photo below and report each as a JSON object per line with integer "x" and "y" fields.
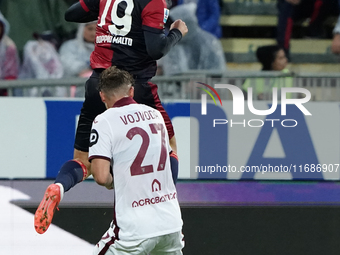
{"x": 166, "y": 15}
{"x": 156, "y": 185}
{"x": 93, "y": 137}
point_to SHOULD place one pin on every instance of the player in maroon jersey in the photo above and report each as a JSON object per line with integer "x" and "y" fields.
{"x": 130, "y": 35}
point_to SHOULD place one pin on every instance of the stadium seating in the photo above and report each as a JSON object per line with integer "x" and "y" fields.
{"x": 248, "y": 24}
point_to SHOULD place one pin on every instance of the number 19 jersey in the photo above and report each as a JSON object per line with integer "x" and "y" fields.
{"x": 119, "y": 35}
{"x": 135, "y": 138}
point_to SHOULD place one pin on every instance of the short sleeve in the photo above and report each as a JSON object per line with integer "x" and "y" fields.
{"x": 155, "y": 15}
{"x": 100, "y": 139}
{"x": 90, "y": 5}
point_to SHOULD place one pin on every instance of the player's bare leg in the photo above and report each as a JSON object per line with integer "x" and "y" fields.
{"x": 71, "y": 173}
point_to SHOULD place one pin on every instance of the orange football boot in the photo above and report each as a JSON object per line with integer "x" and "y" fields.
{"x": 44, "y": 214}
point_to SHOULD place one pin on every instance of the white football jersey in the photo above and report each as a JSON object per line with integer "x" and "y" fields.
{"x": 135, "y": 138}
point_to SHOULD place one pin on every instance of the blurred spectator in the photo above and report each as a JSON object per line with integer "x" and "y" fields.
{"x": 173, "y": 3}
{"x": 291, "y": 11}
{"x": 336, "y": 36}
{"x": 75, "y": 53}
{"x": 29, "y": 16}
{"x": 9, "y": 59}
{"x": 272, "y": 58}
{"x": 41, "y": 61}
{"x": 198, "y": 50}
{"x": 208, "y": 15}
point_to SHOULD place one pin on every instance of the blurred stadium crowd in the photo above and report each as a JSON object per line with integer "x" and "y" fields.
{"x": 37, "y": 43}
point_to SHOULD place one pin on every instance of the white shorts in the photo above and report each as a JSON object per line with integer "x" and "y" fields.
{"x": 170, "y": 244}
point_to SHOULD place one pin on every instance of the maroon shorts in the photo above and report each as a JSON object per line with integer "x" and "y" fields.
{"x": 146, "y": 93}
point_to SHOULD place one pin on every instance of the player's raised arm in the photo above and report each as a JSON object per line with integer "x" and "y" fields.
{"x": 154, "y": 17}
{"x": 159, "y": 44}
{"x": 81, "y": 13}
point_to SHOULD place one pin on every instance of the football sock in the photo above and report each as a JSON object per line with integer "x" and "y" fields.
{"x": 174, "y": 166}
{"x": 61, "y": 190}
{"x": 70, "y": 174}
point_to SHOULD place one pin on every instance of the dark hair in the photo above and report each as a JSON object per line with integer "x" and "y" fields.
{"x": 266, "y": 55}
{"x": 112, "y": 79}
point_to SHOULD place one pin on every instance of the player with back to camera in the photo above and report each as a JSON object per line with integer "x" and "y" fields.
{"x": 129, "y": 35}
{"x": 147, "y": 217}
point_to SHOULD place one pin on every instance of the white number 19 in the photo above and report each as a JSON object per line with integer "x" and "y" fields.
{"x": 121, "y": 26}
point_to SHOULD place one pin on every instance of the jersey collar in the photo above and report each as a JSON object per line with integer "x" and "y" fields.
{"x": 124, "y": 101}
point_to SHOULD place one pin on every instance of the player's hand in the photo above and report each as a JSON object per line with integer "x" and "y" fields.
{"x": 294, "y": 2}
{"x": 180, "y": 25}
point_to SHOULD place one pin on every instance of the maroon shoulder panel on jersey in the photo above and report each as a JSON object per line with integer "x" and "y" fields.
{"x": 155, "y": 14}
{"x": 90, "y": 5}
{"x": 84, "y": 5}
